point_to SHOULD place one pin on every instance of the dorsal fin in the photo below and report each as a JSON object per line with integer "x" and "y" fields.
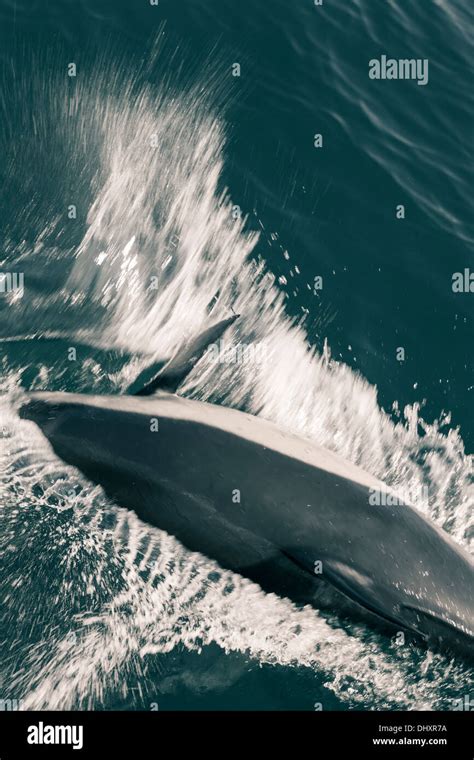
{"x": 175, "y": 370}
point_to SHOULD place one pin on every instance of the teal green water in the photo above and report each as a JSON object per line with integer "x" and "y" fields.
{"x": 99, "y": 610}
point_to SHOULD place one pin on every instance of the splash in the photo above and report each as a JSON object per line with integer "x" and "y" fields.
{"x": 94, "y": 601}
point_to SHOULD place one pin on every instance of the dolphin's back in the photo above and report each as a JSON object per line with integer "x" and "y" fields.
{"x": 243, "y": 491}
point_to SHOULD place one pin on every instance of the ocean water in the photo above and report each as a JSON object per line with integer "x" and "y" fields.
{"x": 99, "y": 610}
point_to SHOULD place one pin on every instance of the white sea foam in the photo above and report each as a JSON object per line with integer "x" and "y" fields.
{"x": 121, "y": 592}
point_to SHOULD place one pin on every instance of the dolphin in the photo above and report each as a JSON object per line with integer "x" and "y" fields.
{"x": 263, "y": 502}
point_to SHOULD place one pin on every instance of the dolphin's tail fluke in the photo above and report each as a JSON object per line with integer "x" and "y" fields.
{"x": 180, "y": 365}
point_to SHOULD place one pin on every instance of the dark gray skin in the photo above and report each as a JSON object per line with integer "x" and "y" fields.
{"x": 299, "y": 504}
